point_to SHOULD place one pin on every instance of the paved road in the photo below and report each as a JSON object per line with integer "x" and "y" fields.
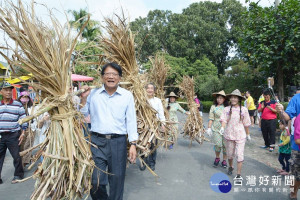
{"x": 184, "y": 173}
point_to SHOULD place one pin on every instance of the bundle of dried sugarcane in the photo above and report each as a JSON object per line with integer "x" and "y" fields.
{"x": 67, "y": 165}
{"x": 194, "y": 125}
{"x": 157, "y": 75}
{"x": 119, "y": 47}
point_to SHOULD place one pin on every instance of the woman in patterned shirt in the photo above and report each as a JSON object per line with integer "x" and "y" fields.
{"x": 214, "y": 126}
{"x": 235, "y": 126}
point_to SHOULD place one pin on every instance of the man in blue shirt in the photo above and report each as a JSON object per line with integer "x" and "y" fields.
{"x": 293, "y": 110}
{"x": 113, "y": 116}
{"x": 11, "y": 135}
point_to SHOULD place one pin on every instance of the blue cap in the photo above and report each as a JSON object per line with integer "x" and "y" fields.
{"x": 6, "y": 85}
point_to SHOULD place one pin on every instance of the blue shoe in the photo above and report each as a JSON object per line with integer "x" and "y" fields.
{"x": 263, "y": 147}
{"x": 171, "y": 146}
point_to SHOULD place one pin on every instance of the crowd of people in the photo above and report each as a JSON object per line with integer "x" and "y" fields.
{"x": 111, "y": 119}
{"x": 229, "y": 128}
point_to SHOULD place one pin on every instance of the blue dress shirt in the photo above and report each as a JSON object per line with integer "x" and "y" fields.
{"x": 112, "y": 114}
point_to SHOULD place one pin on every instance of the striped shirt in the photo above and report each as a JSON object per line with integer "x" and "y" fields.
{"x": 10, "y": 114}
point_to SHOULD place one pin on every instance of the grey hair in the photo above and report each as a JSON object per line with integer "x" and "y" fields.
{"x": 146, "y": 86}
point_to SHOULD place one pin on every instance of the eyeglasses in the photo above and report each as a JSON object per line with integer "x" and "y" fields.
{"x": 111, "y": 74}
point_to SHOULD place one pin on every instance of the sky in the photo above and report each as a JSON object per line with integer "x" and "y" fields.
{"x": 106, "y": 8}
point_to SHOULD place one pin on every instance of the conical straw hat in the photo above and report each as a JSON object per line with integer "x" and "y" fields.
{"x": 172, "y": 94}
{"x": 235, "y": 93}
{"x": 222, "y": 93}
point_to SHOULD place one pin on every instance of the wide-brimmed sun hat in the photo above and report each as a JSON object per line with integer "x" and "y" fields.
{"x": 222, "y": 93}
{"x": 172, "y": 94}
{"x": 236, "y": 92}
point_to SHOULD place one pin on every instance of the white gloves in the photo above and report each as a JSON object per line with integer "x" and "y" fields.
{"x": 221, "y": 131}
{"x": 248, "y": 137}
{"x": 209, "y": 132}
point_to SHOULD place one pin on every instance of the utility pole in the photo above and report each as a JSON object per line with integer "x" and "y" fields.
{"x": 276, "y": 3}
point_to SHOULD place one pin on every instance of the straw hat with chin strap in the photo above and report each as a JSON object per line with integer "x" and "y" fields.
{"x": 235, "y": 93}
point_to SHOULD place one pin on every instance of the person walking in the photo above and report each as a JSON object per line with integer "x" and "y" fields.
{"x": 30, "y": 133}
{"x": 261, "y": 98}
{"x": 156, "y": 104}
{"x": 214, "y": 126}
{"x": 268, "y": 120}
{"x": 235, "y": 127}
{"x": 199, "y": 105}
{"x": 173, "y": 107}
{"x": 11, "y": 133}
{"x": 113, "y": 116}
{"x": 284, "y": 149}
{"x": 251, "y": 107}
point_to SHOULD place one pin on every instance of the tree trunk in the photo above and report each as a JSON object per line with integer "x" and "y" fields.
{"x": 280, "y": 81}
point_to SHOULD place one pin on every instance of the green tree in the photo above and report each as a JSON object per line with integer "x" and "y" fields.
{"x": 205, "y": 85}
{"x": 202, "y": 70}
{"x": 243, "y": 77}
{"x": 270, "y": 39}
{"x": 203, "y": 29}
{"x": 92, "y": 29}
{"x": 87, "y": 58}
{"x": 202, "y": 67}
{"x": 151, "y": 33}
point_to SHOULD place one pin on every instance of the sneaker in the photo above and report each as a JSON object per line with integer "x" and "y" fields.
{"x": 284, "y": 173}
{"x": 224, "y": 164}
{"x": 1, "y": 181}
{"x": 216, "y": 163}
{"x": 264, "y": 147}
{"x": 271, "y": 149}
{"x": 152, "y": 167}
{"x": 16, "y": 179}
{"x": 171, "y": 147}
{"x": 230, "y": 170}
{"x": 280, "y": 170}
{"x": 142, "y": 167}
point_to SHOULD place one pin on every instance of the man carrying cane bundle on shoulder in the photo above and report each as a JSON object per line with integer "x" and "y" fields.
{"x": 293, "y": 111}
{"x": 113, "y": 116}
{"x": 10, "y": 131}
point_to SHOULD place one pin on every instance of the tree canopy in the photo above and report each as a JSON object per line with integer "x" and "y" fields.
{"x": 203, "y": 29}
{"x": 270, "y": 40}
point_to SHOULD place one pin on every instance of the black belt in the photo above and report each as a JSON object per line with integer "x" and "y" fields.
{"x": 8, "y": 132}
{"x": 107, "y": 136}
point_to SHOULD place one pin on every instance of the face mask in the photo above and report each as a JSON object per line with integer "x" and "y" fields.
{"x": 23, "y": 100}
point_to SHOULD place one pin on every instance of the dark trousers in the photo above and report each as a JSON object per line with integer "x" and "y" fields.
{"x": 110, "y": 156}
{"x": 284, "y": 157}
{"x": 268, "y": 128}
{"x": 152, "y": 157}
{"x": 86, "y": 129}
{"x": 10, "y": 141}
